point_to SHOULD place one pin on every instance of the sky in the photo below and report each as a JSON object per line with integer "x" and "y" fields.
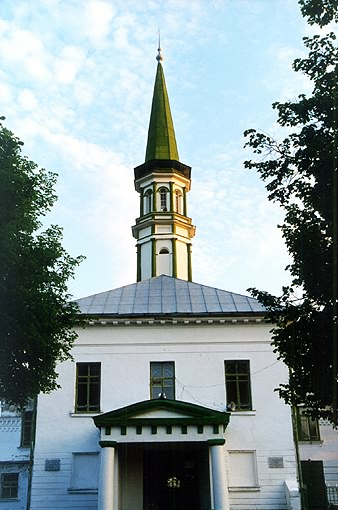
{"x": 76, "y": 84}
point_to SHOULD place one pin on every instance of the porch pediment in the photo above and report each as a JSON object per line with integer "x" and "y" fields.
{"x": 164, "y": 412}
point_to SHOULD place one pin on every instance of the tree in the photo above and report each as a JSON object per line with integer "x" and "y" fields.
{"x": 300, "y": 172}
{"x": 36, "y": 315}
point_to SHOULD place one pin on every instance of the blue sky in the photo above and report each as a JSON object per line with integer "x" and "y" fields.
{"x": 76, "y": 83}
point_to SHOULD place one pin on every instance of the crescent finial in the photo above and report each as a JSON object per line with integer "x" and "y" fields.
{"x": 159, "y": 56}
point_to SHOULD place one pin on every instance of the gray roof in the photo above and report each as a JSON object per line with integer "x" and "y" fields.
{"x": 165, "y": 295}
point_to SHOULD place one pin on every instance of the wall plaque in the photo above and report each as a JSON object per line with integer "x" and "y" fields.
{"x": 52, "y": 465}
{"x": 276, "y": 462}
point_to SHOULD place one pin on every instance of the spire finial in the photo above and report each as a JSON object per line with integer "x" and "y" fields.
{"x": 159, "y": 56}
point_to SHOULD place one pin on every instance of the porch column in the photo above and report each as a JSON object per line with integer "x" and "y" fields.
{"x": 219, "y": 475}
{"x": 106, "y": 481}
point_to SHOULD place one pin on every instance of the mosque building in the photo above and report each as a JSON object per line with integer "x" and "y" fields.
{"x": 169, "y": 401}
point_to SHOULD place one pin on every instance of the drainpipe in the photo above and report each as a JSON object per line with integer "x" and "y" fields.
{"x": 31, "y": 453}
{"x": 299, "y": 467}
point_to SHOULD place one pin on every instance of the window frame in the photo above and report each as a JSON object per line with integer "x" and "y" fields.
{"x": 89, "y": 382}
{"x": 163, "y": 192}
{"x": 26, "y": 428}
{"x": 148, "y": 203}
{"x": 237, "y": 483}
{"x": 12, "y": 486}
{"x": 310, "y": 423}
{"x": 161, "y": 385}
{"x": 178, "y": 201}
{"x": 238, "y": 378}
{"x": 77, "y": 485}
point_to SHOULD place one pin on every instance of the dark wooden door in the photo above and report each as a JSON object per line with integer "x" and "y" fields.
{"x": 315, "y": 489}
{"x": 170, "y": 480}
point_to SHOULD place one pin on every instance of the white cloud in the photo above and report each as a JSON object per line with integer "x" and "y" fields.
{"x": 27, "y": 100}
{"x": 5, "y": 94}
{"x": 21, "y": 50}
{"x": 97, "y": 18}
{"x": 67, "y": 65}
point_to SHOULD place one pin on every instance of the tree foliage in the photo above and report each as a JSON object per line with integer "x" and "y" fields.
{"x": 320, "y": 12}
{"x": 300, "y": 172}
{"x": 36, "y": 315}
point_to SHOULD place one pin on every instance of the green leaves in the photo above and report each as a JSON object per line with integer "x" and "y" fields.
{"x": 301, "y": 175}
{"x": 36, "y": 315}
{"x": 320, "y": 12}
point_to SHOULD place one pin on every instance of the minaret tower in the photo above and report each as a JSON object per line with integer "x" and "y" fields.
{"x": 163, "y": 229}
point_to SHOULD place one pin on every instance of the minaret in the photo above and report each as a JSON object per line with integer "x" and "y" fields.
{"x": 163, "y": 229}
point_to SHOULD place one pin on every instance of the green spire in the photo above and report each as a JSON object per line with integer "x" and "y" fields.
{"x": 161, "y": 135}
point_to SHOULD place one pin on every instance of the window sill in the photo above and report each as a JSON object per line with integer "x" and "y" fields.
{"x": 8, "y": 500}
{"x": 83, "y": 491}
{"x": 84, "y": 414}
{"x": 244, "y": 489}
{"x": 243, "y": 413}
{"x": 309, "y": 442}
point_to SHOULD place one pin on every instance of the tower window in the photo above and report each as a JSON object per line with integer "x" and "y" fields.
{"x": 163, "y": 199}
{"x": 178, "y": 201}
{"x": 88, "y": 379}
{"x": 162, "y": 379}
{"x": 237, "y": 383}
{"x": 148, "y": 201}
{"x": 164, "y": 251}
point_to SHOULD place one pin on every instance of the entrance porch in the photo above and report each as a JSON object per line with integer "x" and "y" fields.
{"x": 163, "y": 455}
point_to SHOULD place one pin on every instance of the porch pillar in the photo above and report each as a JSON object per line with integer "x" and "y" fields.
{"x": 219, "y": 475}
{"x": 106, "y": 481}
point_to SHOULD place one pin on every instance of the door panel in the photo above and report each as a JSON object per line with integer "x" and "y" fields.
{"x": 171, "y": 480}
{"x": 313, "y": 479}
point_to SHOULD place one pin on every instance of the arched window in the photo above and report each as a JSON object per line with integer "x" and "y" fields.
{"x": 178, "y": 201}
{"x": 163, "y": 199}
{"x": 163, "y": 263}
{"x": 148, "y": 201}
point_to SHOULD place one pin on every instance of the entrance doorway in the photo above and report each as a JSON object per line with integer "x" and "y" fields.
{"x": 174, "y": 477}
{"x": 314, "y": 481}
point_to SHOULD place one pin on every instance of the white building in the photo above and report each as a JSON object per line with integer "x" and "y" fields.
{"x": 203, "y": 348}
{"x": 15, "y": 428}
{"x": 169, "y": 403}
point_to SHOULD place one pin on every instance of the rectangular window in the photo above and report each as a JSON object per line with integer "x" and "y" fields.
{"x": 308, "y": 428}
{"x": 9, "y": 483}
{"x": 162, "y": 379}
{"x": 237, "y": 383}
{"x": 88, "y": 381}
{"x": 26, "y": 428}
{"x": 242, "y": 469}
{"x": 85, "y": 472}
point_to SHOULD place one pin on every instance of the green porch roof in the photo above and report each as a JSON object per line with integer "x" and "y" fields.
{"x": 192, "y": 414}
{"x": 161, "y": 142}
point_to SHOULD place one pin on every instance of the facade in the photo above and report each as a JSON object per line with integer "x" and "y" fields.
{"x": 15, "y": 445}
{"x": 188, "y": 450}
{"x": 169, "y": 401}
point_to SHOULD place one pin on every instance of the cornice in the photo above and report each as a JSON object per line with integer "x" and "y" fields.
{"x": 177, "y": 321}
